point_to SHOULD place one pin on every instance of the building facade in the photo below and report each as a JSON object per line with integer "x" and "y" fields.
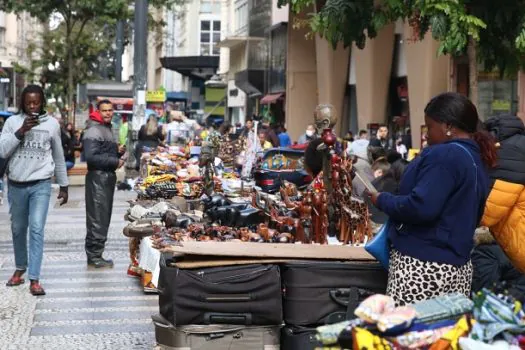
{"x": 253, "y": 61}
{"x": 389, "y": 82}
{"x": 17, "y": 32}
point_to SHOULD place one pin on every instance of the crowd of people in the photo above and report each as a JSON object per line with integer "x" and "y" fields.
{"x": 471, "y": 175}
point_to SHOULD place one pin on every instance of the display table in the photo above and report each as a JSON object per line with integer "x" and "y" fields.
{"x": 149, "y": 260}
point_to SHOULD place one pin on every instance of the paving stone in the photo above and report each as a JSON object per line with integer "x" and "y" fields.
{"x": 108, "y": 315}
{"x": 85, "y": 308}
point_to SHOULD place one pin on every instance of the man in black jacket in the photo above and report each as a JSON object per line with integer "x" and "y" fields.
{"x": 103, "y": 158}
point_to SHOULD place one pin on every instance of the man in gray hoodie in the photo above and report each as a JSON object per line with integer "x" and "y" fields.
{"x": 32, "y": 145}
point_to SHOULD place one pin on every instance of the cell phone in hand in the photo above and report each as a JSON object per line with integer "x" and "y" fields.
{"x": 35, "y": 116}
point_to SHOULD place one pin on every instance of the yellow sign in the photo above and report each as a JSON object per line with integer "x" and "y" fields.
{"x": 501, "y": 105}
{"x": 156, "y": 96}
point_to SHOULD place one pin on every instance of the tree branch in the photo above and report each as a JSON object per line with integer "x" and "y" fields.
{"x": 81, "y": 29}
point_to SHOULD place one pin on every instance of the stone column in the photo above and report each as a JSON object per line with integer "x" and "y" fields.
{"x": 373, "y": 72}
{"x": 301, "y": 80}
{"x": 428, "y": 75}
{"x": 332, "y": 75}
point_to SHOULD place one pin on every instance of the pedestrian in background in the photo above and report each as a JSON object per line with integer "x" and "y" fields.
{"x": 150, "y": 135}
{"x": 309, "y": 135}
{"x": 103, "y": 158}
{"x": 123, "y": 131}
{"x": 381, "y": 140}
{"x": 32, "y": 144}
{"x": 67, "y": 144}
{"x": 284, "y": 138}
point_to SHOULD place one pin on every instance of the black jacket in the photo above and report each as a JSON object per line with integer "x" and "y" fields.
{"x": 69, "y": 146}
{"x": 509, "y": 132}
{"x": 492, "y": 267}
{"x": 385, "y": 183}
{"x": 100, "y": 147}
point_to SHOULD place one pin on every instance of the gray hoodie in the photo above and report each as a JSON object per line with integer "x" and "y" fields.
{"x": 38, "y": 156}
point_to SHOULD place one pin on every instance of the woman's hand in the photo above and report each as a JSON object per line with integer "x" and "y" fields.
{"x": 373, "y": 196}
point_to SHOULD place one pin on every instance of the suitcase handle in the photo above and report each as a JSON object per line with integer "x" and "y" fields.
{"x": 218, "y": 318}
{"x": 220, "y": 298}
{"x": 342, "y": 296}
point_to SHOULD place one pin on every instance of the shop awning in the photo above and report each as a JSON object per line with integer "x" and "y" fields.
{"x": 195, "y": 67}
{"x": 271, "y": 98}
{"x": 251, "y": 81}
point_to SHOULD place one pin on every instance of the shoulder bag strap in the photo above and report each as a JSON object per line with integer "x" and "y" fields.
{"x": 473, "y": 162}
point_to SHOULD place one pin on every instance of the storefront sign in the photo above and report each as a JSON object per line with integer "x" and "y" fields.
{"x": 501, "y": 105}
{"x": 156, "y": 96}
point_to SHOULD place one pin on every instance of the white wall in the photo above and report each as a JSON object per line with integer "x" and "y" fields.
{"x": 224, "y": 60}
{"x": 172, "y": 81}
{"x": 236, "y": 101}
{"x": 279, "y": 14}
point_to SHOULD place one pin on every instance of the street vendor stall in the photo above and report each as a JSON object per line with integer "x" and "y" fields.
{"x": 220, "y": 249}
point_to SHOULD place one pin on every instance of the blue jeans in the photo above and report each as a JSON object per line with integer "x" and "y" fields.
{"x": 28, "y": 206}
{"x": 69, "y": 165}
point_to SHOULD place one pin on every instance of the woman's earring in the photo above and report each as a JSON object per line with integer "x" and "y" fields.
{"x": 449, "y": 133}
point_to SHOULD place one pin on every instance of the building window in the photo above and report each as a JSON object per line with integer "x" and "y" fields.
{"x": 241, "y": 15}
{"x": 210, "y": 37}
{"x": 211, "y": 6}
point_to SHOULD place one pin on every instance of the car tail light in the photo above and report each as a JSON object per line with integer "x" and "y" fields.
{"x": 267, "y": 182}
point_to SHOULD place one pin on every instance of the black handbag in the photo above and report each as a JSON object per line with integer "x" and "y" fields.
{"x": 238, "y": 295}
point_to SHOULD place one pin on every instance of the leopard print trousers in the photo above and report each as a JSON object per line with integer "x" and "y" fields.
{"x": 411, "y": 280}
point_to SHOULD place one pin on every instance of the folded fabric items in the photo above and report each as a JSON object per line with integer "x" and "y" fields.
{"x": 362, "y": 338}
{"x": 409, "y": 327}
{"x": 498, "y": 316}
{"x": 381, "y": 310}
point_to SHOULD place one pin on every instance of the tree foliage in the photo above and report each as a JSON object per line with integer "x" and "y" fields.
{"x": 80, "y": 47}
{"x": 498, "y": 27}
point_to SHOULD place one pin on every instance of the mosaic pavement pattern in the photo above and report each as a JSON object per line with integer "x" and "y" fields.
{"x": 84, "y": 308}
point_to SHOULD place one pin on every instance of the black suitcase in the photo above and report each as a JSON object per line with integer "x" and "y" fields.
{"x": 240, "y": 295}
{"x": 215, "y": 337}
{"x": 318, "y": 292}
{"x": 299, "y": 338}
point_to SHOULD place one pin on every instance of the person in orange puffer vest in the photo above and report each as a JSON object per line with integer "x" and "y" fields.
{"x": 505, "y": 208}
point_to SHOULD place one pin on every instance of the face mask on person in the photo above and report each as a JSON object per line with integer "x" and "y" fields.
{"x": 309, "y": 133}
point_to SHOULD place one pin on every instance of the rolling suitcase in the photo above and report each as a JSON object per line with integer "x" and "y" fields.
{"x": 240, "y": 295}
{"x": 319, "y": 292}
{"x": 215, "y": 337}
{"x": 299, "y": 338}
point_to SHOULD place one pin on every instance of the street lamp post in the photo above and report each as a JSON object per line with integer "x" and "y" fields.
{"x": 119, "y": 50}
{"x": 139, "y": 76}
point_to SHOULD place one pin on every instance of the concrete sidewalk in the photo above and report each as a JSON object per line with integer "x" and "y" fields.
{"x": 84, "y": 308}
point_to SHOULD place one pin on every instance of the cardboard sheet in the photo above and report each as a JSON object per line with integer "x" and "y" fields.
{"x": 270, "y": 251}
{"x": 190, "y": 262}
